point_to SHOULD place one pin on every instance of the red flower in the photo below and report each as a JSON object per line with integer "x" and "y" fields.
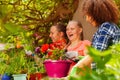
{"x": 52, "y": 46}
{"x": 58, "y": 44}
{"x": 53, "y": 50}
{"x": 49, "y": 53}
{"x": 44, "y": 48}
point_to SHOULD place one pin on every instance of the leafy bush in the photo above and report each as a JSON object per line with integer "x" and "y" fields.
{"x": 17, "y": 45}
{"x": 107, "y": 62}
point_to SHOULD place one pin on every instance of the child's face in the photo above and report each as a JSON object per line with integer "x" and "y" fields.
{"x": 54, "y": 34}
{"x": 73, "y": 31}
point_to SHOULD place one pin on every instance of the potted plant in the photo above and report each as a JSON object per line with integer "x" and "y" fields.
{"x": 34, "y": 72}
{"x": 22, "y": 65}
{"x": 3, "y": 65}
{"x": 18, "y": 64}
{"x": 12, "y": 62}
{"x": 21, "y": 41}
{"x": 54, "y": 57}
{"x": 15, "y": 62}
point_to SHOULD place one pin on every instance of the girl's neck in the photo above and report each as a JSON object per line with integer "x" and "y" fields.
{"x": 74, "y": 43}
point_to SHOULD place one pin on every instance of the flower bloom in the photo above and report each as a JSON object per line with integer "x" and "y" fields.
{"x": 44, "y": 48}
{"x": 51, "y": 51}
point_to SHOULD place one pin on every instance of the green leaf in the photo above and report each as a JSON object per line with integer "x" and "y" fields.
{"x": 13, "y": 28}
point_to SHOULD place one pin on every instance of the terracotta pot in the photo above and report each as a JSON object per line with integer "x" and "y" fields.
{"x": 57, "y": 68}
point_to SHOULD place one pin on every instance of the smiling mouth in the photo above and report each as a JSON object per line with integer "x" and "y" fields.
{"x": 70, "y": 35}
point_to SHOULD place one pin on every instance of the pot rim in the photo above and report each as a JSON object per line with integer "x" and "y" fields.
{"x": 57, "y": 61}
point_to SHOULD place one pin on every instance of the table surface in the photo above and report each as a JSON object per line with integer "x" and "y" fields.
{"x": 48, "y": 78}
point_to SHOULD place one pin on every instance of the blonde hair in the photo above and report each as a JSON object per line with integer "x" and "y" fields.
{"x": 79, "y": 25}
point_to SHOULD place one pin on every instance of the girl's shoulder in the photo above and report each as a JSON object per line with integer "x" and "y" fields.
{"x": 86, "y": 42}
{"x": 108, "y": 25}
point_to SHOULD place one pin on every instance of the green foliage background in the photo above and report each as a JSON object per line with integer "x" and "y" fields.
{"x": 35, "y": 16}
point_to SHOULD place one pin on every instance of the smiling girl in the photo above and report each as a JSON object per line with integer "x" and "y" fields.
{"x": 75, "y": 36}
{"x": 76, "y": 46}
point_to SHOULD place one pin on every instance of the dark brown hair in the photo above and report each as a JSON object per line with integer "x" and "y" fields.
{"x": 101, "y": 11}
{"x": 61, "y": 28}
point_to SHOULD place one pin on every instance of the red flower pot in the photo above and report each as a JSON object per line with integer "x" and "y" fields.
{"x": 35, "y": 76}
{"x": 32, "y": 77}
{"x": 57, "y": 68}
{"x": 38, "y": 76}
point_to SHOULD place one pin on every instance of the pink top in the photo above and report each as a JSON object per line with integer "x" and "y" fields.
{"x": 80, "y": 47}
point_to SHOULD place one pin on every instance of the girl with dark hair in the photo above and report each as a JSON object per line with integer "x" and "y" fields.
{"x": 104, "y": 15}
{"x": 58, "y": 37}
{"x": 58, "y": 34}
